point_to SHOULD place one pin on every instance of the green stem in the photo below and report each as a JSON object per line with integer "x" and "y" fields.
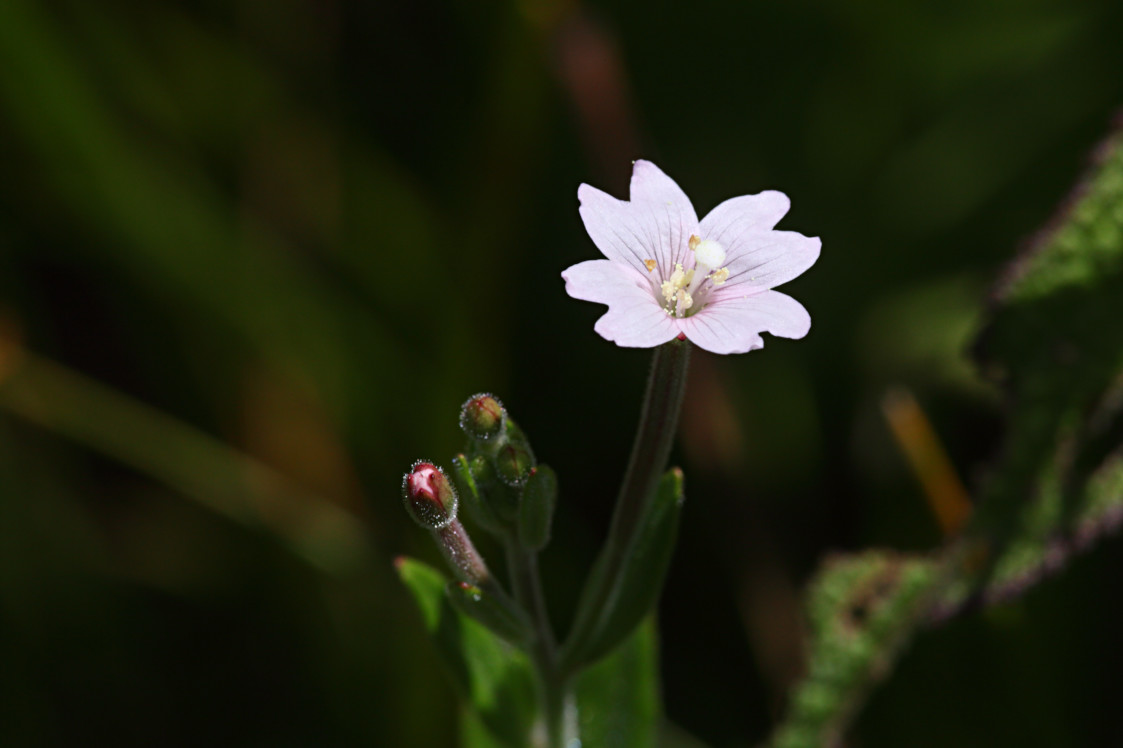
{"x": 552, "y": 685}
{"x": 655, "y": 434}
{"x": 523, "y": 567}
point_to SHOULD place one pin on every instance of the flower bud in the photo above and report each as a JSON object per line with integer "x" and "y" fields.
{"x": 500, "y": 499}
{"x": 483, "y": 417}
{"x": 429, "y": 496}
{"x": 474, "y": 481}
{"x": 513, "y": 463}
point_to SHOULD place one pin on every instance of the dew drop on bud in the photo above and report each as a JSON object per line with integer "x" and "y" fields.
{"x": 483, "y": 417}
{"x": 429, "y": 496}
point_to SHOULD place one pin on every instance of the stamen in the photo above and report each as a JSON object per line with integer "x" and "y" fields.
{"x": 683, "y": 301}
{"x": 677, "y": 290}
{"x": 694, "y": 242}
{"x": 650, "y": 265}
{"x": 668, "y": 290}
{"x": 720, "y": 276}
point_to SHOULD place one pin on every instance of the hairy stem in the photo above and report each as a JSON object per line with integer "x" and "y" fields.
{"x": 655, "y": 434}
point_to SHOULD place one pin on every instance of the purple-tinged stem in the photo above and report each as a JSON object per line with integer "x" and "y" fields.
{"x": 462, "y": 556}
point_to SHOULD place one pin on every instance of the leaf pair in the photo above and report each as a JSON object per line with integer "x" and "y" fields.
{"x": 617, "y": 699}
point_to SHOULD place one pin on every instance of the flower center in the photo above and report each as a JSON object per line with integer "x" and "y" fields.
{"x": 683, "y": 292}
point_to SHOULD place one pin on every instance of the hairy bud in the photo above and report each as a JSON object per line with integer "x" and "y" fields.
{"x": 513, "y": 463}
{"x": 429, "y": 496}
{"x": 483, "y": 417}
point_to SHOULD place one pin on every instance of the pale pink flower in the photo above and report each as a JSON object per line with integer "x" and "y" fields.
{"x": 669, "y": 274}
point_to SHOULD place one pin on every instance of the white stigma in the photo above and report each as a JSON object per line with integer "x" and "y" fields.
{"x": 709, "y": 254}
{"x": 708, "y": 259}
{"x": 682, "y": 291}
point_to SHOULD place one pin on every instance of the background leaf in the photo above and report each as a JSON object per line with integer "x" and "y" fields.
{"x": 863, "y": 609}
{"x": 1055, "y": 346}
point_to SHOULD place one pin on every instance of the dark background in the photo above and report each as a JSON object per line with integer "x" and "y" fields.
{"x": 296, "y": 234}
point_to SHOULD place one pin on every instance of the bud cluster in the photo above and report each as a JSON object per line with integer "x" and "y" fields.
{"x": 495, "y": 474}
{"x": 504, "y": 491}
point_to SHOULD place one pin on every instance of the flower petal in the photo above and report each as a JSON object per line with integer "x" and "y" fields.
{"x": 634, "y": 318}
{"x": 613, "y": 227}
{"x": 602, "y": 280}
{"x": 757, "y": 255}
{"x": 655, "y": 225}
{"x": 639, "y": 326}
{"x": 731, "y": 324}
{"x": 770, "y": 259}
{"x": 664, "y": 207}
{"x": 718, "y": 335}
{"x": 740, "y": 218}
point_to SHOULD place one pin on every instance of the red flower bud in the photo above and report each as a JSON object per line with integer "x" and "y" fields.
{"x": 429, "y": 496}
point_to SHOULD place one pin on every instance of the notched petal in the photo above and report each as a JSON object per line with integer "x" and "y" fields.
{"x": 745, "y": 215}
{"x": 774, "y": 258}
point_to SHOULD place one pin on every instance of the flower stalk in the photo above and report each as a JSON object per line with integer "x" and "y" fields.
{"x": 461, "y": 554}
{"x": 666, "y": 385}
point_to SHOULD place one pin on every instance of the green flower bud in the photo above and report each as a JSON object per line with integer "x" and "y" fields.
{"x": 429, "y": 496}
{"x": 483, "y": 417}
{"x": 499, "y": 498}
{"x": 474, "y": 481}
{"x": 513, "y": 463}
{"x": 516, "y": 434}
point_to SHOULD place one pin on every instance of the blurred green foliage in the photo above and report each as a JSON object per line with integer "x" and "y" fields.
{"x": 1052, "y": 342}
{"x": 265, "y": 249}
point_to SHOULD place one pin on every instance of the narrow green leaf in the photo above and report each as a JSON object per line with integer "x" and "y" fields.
{"x": 493, "y": 610}
{"x": 618, "y": 698}
{"x": 474, "y": 733}
{"x": 639, "y": 579}
{"x": 493, "y": 677}
{"x": 536, "y": 511}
